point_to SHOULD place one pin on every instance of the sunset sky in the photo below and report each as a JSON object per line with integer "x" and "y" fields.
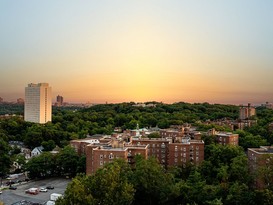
{"x": 139, "y": 50}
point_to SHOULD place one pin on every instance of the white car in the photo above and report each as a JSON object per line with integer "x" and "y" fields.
{"x": 42, "y": 189}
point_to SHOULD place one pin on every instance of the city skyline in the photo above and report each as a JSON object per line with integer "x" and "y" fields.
{"x": 121, "y": 51}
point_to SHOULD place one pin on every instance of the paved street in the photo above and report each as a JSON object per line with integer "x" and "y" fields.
{"x": 12, "y": 196}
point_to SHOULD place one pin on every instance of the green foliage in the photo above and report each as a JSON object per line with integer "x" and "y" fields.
{"x": 41, "y": 166}
{"x": 67, "y": 160}
{"x": 48, "y": 145}
{"x": 251, "y": 141}
{"x": 68, "y": 123}
{"x": 8, "y": 108}
{"x": 5, "y": 160}
{"x": 223, "y": 177}
{"x": 65, "y": 163}
{"x": 154, "y": 135}
{"x": 151, "y": 182}
{"x": 107, "y": 186}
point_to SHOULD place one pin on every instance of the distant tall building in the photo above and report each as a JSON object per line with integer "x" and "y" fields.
{"x": 246, "y": 112}
{"x": 38, "y": 103}
{"x": 60, "y": 100}
{"x": 1, "y": 100}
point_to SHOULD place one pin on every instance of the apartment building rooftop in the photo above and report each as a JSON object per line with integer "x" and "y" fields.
{"x": 225, "y": 134}
{"x": 262, "y": 150}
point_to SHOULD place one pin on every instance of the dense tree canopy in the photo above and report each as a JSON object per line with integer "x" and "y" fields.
{"x": 223, "y": 178}
{"x": 65, "y": 163}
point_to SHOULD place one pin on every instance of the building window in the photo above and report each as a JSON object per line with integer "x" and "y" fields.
{"x": 163, "y": 146}
{"x": 197, "y": 147}
{"x": 101, "y": 156}
{"x": 184, "y": 154}
{"x": 197, "y": 153}
{"x": 175, "y": 160}
{"x": 175, "y": 148}
{"x": 111, "y": 156}
{"x": 185, "y": 149}
{"x": 197, "y": 158}
{"x": 101, "y": 163}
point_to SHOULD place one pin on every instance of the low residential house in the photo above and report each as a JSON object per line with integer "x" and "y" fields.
{"x": 37, "y": 151}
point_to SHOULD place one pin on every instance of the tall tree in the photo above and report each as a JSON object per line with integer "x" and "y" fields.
{"x": 5, "y": 160}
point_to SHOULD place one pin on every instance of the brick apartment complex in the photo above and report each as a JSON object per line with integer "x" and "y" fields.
{"x": 188, "y": 151}
{"x": 227, "y": 138}
{"x": 175, "y": 151}
{"x": 80, "y": 145}
{"x": 257, "y": 158}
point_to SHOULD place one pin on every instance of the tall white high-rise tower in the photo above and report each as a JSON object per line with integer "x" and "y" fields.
{"x": 38, "y": 103}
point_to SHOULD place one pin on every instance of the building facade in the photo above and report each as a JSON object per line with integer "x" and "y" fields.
{"x": 38, "y": 103}
{"x": 59, "y": 100}
{"x": 227, "y": 138}
{"x": 178, "y": 151}
{"x": 261, "y": 159}
{"x": 246, "y": 112}
{"x": 188, "y": 151}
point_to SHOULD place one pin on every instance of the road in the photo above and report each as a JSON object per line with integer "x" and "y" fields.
{"x": 11, "y": 196}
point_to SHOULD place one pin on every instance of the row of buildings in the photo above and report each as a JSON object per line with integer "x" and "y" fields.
{"x": 175, "y": 147}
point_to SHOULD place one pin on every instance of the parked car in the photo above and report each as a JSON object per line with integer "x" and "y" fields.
{"x": 32, "y": 191}
{"x": 50, "y": 187}
{"x": 12, "y": 187}
{"x": 42, "y": 189}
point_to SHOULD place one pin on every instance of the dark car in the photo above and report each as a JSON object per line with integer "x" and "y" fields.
{"x": 12, "y": 187}
{"x": 50, "y": 187}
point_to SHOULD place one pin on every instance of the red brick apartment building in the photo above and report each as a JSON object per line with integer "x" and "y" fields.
{"x": 97, "y": 156}
{"x": 227, "y": 138}
{"x": 187, "y": 151}
{"x": 169, "y": 151}
{"x": 261, "y": 158}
